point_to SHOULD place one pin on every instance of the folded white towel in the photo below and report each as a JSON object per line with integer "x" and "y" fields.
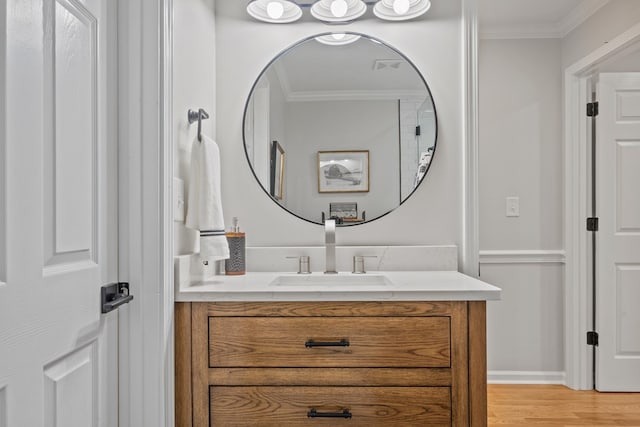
{"x": 204, "y": 209}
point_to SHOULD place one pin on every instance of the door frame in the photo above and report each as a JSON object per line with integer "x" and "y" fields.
{"x": 145, "y": 233}
{"x": 578, "y": 318}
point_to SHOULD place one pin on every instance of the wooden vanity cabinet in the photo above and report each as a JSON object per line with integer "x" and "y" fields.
{"x": 331, "y": 364}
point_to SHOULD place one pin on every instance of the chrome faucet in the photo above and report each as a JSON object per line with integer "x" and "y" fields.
{"x": 330, "y": 246}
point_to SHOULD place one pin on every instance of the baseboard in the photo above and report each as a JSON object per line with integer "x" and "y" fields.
{"x": 526, "y": 377}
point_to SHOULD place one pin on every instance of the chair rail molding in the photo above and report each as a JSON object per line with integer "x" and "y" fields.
{"x": 531, "y": 256}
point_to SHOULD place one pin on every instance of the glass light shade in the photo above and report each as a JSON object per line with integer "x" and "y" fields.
{"x": 337, "y": 39}
{"x": 274, "y": 11}
{"x": 401, "y": 7}
{"x": 391, "y": 11}
{"x": 339, "y": 8}
{"x": 324, "y": 10}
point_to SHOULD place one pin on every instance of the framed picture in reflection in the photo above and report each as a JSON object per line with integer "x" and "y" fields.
{"x": 343, "y": 171}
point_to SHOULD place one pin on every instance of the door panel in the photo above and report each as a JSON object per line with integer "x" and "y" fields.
{"x": 628, "y": 106}
{"x": 618, "y": 257}
{"x": 69, "y": 384}
{"x": 58, "y": 352}
{"x": 628, "y": 321}
{"x": 70, "y": 133}
{"x": 628, "y": 177}
{"x": 70, "y": 112}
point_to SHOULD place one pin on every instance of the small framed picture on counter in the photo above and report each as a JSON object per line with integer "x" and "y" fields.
{"x": 343, "y": 210}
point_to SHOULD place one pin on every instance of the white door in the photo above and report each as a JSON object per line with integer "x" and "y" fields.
{"x": 618, "y": 244}
{"x": 58, "y": 216}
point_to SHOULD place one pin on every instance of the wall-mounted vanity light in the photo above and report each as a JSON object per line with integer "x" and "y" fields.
{"x": 274, "y": 11}
{"x": 400, "y": 10}
{"x": 338, "y": 10}
{"x": 335, "y": 11}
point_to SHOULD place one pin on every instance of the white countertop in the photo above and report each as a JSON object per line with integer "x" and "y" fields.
{"x": 398, "y": 286}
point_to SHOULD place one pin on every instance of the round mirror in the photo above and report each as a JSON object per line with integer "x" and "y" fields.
{"x": 340, "y": 126}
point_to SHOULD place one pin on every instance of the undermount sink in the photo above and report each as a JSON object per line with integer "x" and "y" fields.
{"x": 341, "y": 279}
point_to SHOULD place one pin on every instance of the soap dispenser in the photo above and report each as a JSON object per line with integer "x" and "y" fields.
{"x": 235, "y": 265}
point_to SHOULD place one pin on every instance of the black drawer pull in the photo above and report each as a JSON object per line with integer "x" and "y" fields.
{"x": 341, "y": 343}
{"x": 313, "y": 413}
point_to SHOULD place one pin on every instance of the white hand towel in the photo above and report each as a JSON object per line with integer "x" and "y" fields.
{"x": 204, "y": 209}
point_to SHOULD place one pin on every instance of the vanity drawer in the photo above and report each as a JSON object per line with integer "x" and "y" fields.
{"x": 326, "y": 406}
{"x": 408, "y": 342}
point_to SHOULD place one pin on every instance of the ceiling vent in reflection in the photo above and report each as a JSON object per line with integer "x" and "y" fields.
{"x": 387, "y": 64}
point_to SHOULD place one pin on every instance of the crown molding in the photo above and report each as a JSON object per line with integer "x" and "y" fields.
{"x": 553, "y": 30}
{"x": 283, "y": 78}
{"x": 579, "y": 15}
{"x": 355, "y": 95}
{"x": 512, "y": 31}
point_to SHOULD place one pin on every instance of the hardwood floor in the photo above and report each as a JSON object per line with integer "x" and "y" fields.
{"x": 555, "y": 405}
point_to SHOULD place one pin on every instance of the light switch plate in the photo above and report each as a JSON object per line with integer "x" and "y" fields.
{"x": 178, "y": 200}
{"x": 513, "y": 206}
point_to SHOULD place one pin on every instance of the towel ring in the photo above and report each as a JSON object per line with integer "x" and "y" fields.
{"x": 199, "y": 115}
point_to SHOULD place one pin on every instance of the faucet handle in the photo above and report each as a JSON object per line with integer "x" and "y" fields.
{"x": 358, "y": 263}
{"x": 303, "y": 263}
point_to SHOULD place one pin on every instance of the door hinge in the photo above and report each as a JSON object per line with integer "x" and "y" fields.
{"x": 114, "y": 295}
{"x": 592, "y": 224}
{"x": 592, "y": 109}
{"x": 418, "y": 130}
{"x": 592, "y": 338}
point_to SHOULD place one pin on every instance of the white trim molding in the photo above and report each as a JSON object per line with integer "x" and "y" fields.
{"x": 146, "y": 355}
{"x": 470, "y": 260}
{"x": 526, "y": 377}
{"x": 522, "y": 257}
{"x": 583, "y": 11}
{"x": 544, "y": 30}
{"x": 531, "y": 31}
{"x": 4, "y": 418}
{"x": 578, "y": 360}
{"x": 3, "y": 143}
{"x": 355, "y": 95}
{"x": 166, "y": 176}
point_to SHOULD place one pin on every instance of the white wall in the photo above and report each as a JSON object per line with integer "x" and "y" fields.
{"x": 521, "y": 143}
{"x": 525, "y": 328}
{"x": 433, "y": 215}
{"x": 521, "y": 155}
{"x": 194, "y": 71}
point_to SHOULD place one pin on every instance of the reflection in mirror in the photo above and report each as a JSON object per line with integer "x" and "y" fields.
{"x": 277, "y": 170}
{"x": 357, "y": 123}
